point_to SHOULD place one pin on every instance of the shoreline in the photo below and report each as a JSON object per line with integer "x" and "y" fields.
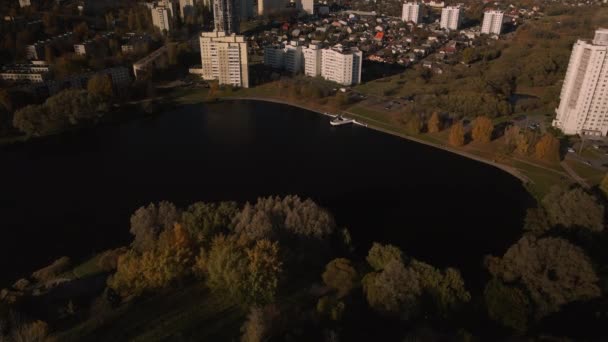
{"x": 510, "y": 170}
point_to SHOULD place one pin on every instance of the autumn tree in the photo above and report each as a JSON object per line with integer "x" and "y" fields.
{"x": 434, "y": 123}
{"x": 380, "y": 255}
{"x": 167, "y": 262}
{"x": 340, "y": 275}
{"x": 258, "y": 326}
{"x": 604, "y": 185}
{"x": 547, "y": 148}
{"x": 510, "y": 137}
{"x": 553, "y": 271}
{"x": 522, "y": 143}
{"x": 100, "y": 85}
{"x": 456, "y": 137}
{"x": 413, "y": 125}
{"x": 482, "y": 129}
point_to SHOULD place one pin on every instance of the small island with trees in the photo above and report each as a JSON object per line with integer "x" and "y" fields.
{"x": 282, "y": 268}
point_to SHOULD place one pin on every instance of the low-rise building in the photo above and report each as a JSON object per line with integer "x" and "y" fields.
{"x": 36, "y": 72}
{"x": 36, "y": 50}
{"x": 159, "y": 58}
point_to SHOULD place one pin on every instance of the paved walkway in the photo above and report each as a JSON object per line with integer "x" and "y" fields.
{"x": 574, "y": 175}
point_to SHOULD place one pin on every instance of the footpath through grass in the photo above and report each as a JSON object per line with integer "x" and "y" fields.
{"x": 191, "y": 313}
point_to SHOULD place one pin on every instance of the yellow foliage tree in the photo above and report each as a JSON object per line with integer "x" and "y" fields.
{"x": 547, "y": 148}
{"x": 522, "y": 143}
{"x": 604, "y": 185}
{"x": 434, "y": 123}
{"x": 100, "y": 85}
{"x": 264, "y": 269}
{"x": 168, "y": 262}
{"x": 482, "y": 129}
{"x": 456, "y": 137}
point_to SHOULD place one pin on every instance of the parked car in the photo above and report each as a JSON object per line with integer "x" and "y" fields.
{"x": 571, "y": 150}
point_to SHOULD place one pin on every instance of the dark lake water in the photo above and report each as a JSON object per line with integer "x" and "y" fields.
{"x": 73, "y": 194}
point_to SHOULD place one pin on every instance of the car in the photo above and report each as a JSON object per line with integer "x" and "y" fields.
{"x": 586, "y": 162}
{"x": 571, "y": 150}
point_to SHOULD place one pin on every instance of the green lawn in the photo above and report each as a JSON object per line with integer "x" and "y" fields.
{"x": 592, "y": 175}
{"x": 188, "y": 314}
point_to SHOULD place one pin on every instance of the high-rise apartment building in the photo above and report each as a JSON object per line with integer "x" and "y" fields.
{"x": 583, "y": 106}
{"x": 342, "y": 65}
{"x": 266, "y": 7}
{"x": 451, "y": 17}
{"x": 245, "y": 9}
{"x": 224, "y": 58}
{"x": 492, "y": 22}
{"x": 288, "y": 57}
{"x": 226, "y": 16}
{"x": 161, "y": 18}
{"x": 312, "y": 60}
{"x": 187, "y": 8}
{"x": 307, "y": 6}
{"x": 412, "y": 11}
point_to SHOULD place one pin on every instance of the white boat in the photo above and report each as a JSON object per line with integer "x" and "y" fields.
{"x": 339, "y": 120}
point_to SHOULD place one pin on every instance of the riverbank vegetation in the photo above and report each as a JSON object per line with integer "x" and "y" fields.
{"x": 284, "y": 269}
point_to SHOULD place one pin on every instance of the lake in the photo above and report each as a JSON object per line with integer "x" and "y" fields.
{"x": 73, "y": 194}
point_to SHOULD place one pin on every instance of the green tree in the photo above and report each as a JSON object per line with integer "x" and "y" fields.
{"x": 445, "y": 288}
{"x": 456, "y": 137}
{"x": 434, "y": 123}
{"x": 340, "y": 275}
{"x": 574, "y": 208}
{"x": 482, "y": 129}
{"x": 147, "y": 223}
{"x": 394, "y": 291}
{"x": 29, "y": 119}
{"x": 100, "y": 85}
{"x": 205, "y": 220}
{"x": 508, "y": 305}
{"x": 553, "y": 271}
{"x": 273, "y": 217}
{"x": 226, "y": 266}
{"x": 469, "y": 55}
{"x": 264, "y": 270}
{"x": 380, "y": 255}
